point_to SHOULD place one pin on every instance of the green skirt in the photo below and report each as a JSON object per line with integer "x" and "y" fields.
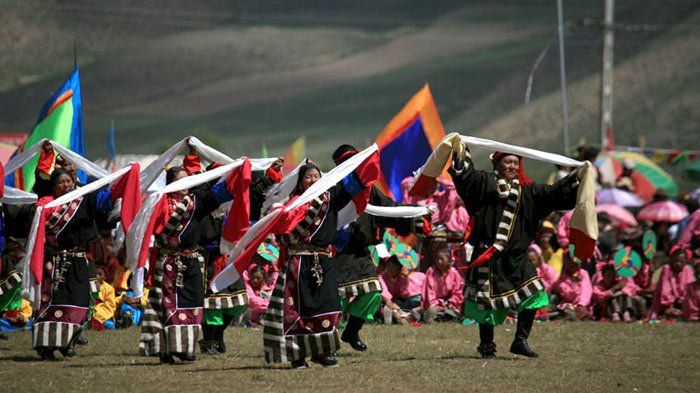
{"x": 215, "y": 317}
{"x": 363, "y": 306}
{"x": 498, "y": 316}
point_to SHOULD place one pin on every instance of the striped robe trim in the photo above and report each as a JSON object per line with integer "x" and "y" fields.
{"x": 360, "y": 287}
{"x": 12, "y": 281}
{"x": 53, "y": 334}
{"x": 229, "y": 300}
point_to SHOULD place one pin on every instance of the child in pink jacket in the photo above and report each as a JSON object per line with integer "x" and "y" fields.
{"x": 671, "y": 288}
{"x": 574, "y": 290}
{"x": 402, "y": 290}
{"x": 691, "y": 303}
{"x": 260, "y": 281}
{"x": 442, "y": 291}
{"x": 616, "y": 298}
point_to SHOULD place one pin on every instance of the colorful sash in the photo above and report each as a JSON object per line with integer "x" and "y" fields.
{"x": 60, "y": 218}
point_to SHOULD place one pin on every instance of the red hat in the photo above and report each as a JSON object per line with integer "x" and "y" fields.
{"x": 676, "y": 248}
{"x": 522, "y": 177}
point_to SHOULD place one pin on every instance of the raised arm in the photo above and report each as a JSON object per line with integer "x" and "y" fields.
{"x": 473, "y": 186}
{"x": 558, "y": 196}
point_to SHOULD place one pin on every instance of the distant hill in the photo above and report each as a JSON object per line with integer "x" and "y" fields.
{"x": 240, "y": 74}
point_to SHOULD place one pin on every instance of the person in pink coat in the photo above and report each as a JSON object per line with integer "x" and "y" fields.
{"x": 546, "y": 273}
{"x": 690, "y": 237}
{"x": 442, "y": 290}
{"x": 691, "y": 302}
{"x": 259, "y": 282}
{"x": 574, "y": 290}
{"x": 402, "y": 290}
{"x": 616, "y": 298}
{"x": 671, "y": 288}
{"x": 443, "y": 197}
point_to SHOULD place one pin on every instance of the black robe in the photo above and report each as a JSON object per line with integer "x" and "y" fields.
{"x": 509, "y": 277}
{"x": 357, "y": 274}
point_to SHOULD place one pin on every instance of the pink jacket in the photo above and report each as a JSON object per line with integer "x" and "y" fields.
{"x": 670, "y": 289}
{"x": 575, "y": 293}
{"x": 445, "y": 291}
{"x": 601, "y": 294}
{"x": 259, "y": 300}
{"x": 459, "y": 219}
{"x": 643, "y": 279}
{"x": 548, "y": 275}
{"x": 445, "y": 201}
{"x": 403, "y": 287}
{"x": 691, "y": 230}
{"x": 691, "y": 303}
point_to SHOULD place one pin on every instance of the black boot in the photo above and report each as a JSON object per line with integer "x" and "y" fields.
{"x": 81, "y": 340}
{"x": 3, "y": 335}
{"x": 220, "y": 333}
{"x": 300, "y": 363}
{"x": 325, "y": 360}
{"x": 351, "y": 334}
{"x": 46, "y": 353}
{"x": 184, "y": 356}
{"x": 208, "y": 344}
{"x": 167, "y": 359}
{"x": 487, "y": 348}
{"x": 67, "y": 352}
{"x": 520, "y": 345}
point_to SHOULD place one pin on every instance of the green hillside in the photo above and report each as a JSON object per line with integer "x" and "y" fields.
{"x": 240, "y": 74}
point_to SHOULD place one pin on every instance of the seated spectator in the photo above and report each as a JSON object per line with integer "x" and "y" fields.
{"x": 545, "y": 272}
{"x": 442, "y": 291}
{"x": 691, "y": 303}
{"x": 552, "y": 254}
{"x": 670, "y": 290}
{"x": 259, "y": 281}
{"x": 401, "y": 291}
{"x": 130, "y": 308}
{"x": 105, "y": 304}
{"x": 574, "y": 290}
{"x": 616, "y": 298}
{"x": 18, "y": 318}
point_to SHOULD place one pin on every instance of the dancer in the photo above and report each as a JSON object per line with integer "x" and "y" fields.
{"x": 358, "y": 282}
{"x": 305, "y": 307}
{"x": 174, "y": 312}
{"x": 61, "y": 269}
{"x": 507, "y": 208}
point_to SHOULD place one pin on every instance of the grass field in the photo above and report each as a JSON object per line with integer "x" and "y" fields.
{"x": 575, "y": 357}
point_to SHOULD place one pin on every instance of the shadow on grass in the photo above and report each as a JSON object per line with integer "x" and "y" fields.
{"x": 239, "y": 368}
{"x": 27, "y": 358}
{"x": 117, "y": 364}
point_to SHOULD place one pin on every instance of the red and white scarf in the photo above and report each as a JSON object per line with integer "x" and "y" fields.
{"x": 125, "y": 185}
{"x": 584, "y": 230}
{"x": 153, "y": 215}
{"x": 283, "y": 219}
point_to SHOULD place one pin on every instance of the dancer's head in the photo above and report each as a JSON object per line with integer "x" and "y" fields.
{"x": 61, "y": 182}
{"x": 309, "y": 174}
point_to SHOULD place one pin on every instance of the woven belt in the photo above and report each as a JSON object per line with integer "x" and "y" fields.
{"x": 69, "y": 253}
{"x": 179, "y": 253}
{"x": 304, "y": 249}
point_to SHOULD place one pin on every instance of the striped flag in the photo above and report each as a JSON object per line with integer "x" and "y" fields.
{"x": 61, "y": 120}
{"x": 407, "y": 141}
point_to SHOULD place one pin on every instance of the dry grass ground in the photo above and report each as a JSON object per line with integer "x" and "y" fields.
{"x": 575, "y": 357}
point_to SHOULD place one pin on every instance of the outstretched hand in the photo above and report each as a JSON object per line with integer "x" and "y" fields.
{"x": 278, "y": 163}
